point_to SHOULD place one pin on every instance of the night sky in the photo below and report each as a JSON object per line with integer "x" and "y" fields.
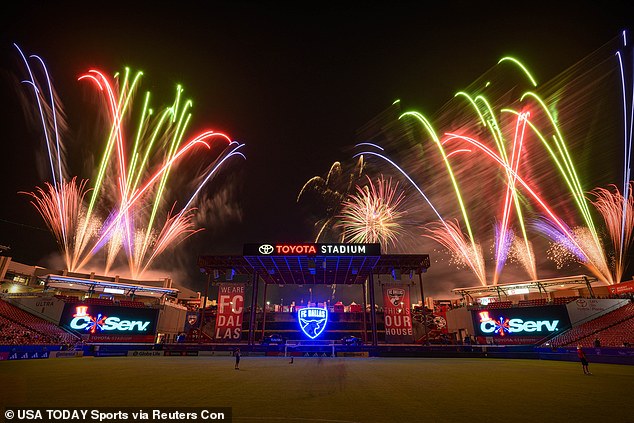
{"x": 292, "y": 82}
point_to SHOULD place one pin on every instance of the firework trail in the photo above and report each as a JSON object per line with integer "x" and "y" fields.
{"x": 432, "y": 133}
{"x": 489, "y": 121}
{"x": 374, "y": 213}
{"x": 522, "y": 133}
{"x": 616, "y": 210}
{"x": 503, "y": 240}
{"x": 523, "y": 253}
{"x": 131, "y": 181}
{"x": 47, "y": 202}
{"x": 464, "y": 252}
{"x": 588, "y": 250}
{"x": 559, "y": 153}
{"x": 332, "y": 192}
{"x": 628, "y": 132}
{"x": 166, "y": 137}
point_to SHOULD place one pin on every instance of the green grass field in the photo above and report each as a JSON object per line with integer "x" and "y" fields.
{"x": 332, "y": 389}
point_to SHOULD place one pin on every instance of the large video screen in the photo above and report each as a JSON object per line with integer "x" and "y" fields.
{"x": 97, "y": 320}
{"x": 521, "y": 321}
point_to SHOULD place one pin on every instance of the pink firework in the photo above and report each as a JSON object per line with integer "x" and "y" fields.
{"x": 618, "y": 214}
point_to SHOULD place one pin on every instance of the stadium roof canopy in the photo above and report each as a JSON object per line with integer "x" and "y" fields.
{"x": 518, "y": 288}
{"x": 312, "y": 268}
{"x": 113, "y": 287}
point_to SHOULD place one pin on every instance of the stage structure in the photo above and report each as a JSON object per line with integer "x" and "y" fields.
{"x": 311, "y": 264}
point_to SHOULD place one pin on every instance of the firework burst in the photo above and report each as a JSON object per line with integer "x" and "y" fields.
{"x": 332, "y": 191}
{"x": 132, "y": 181}
{"x": 374, "y": 213}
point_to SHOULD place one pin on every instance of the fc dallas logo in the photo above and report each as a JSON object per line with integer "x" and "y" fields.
{"x": 396, "y": 295}
{"x": 312, "y": 321}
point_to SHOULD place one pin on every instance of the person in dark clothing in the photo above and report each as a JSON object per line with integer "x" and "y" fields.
{"x": 237, "y": 355}
{"x": 583, "y": 359}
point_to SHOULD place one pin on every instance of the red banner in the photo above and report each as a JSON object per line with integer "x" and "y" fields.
{"x": 622, "y": 288}
{"x": 230, "y": 310}
{"x": 397, "y": 314}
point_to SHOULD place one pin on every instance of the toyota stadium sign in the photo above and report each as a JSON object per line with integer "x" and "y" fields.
{"x": 524, "y": 322}
{"x": 311, "y": 249}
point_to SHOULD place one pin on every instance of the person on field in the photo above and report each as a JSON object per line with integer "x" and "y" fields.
{"x": 583, "y": 359}
{"x": 237, "y": 355}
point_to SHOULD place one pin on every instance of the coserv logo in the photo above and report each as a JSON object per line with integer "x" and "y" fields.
{"x": 503, "y": 326}
{"x": 84, "y": 321}
{"x": 265, "y": 249}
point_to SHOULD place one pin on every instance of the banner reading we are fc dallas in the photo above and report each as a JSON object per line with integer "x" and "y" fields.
{"x": 230, "y": 312}
{"x": 397, "y": 314}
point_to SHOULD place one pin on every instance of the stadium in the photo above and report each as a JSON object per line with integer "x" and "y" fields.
{"x": 204, "y": 232}
{"x": 142, "y": 343}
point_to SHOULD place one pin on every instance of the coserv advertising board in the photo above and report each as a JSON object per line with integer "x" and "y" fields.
{"x": 102, "y": 323}
{"x": 538, "y": 322}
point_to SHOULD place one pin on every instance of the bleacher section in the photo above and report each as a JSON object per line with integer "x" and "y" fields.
{"x": 532, "y": 303}
{"x": 500, "y": 304}
{"x": 133, "y": 304}
{"x": 563, "y": 300}
{"x": 68, "y": 298}
{"x": 98, "y": 301}
{"x": 31, "y": 329}
{"x": 102, "y": 301}
{"x": 614, "y": 336}
{"x": 586, "y": 333}
{"x": 12, "y": 333}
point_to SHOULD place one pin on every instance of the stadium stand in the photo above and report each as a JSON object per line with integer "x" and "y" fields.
{"x": 133, "y": 304}
{"x": 500, "y": 304}
{"x": 102, "y": 301}
{"x": 615, "y": 336}
{"x": 564, "y": 300}
{"x": 39, "y": 330}
{"x": 532, "y": 303}
{"x": 12, "y": 333}
{"x": 588, "y": 331}
{"x": 98, "y": 301}
{"x": 68, "y": 298}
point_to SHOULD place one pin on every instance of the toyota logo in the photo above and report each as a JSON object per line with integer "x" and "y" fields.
{"x": 265, "y": 249}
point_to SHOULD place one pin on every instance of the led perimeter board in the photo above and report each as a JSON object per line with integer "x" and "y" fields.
{"x": 536, "y": 322}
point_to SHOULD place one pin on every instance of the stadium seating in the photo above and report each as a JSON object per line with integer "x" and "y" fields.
{"x": 68, "y": 298}
{"x": 12, "y": 333}
{"x": 614, "y": 336}
{"x": 588, "y": 331}
{"x": 133, "y": 304}
{"x": 101, "y": 301}
{"x": 98, "y": 301}
{"x": 500, "y": 304}
{"x": 31, "y": 329}
{"x": 563, "y": 300}
{"x": 532, "y": 303}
